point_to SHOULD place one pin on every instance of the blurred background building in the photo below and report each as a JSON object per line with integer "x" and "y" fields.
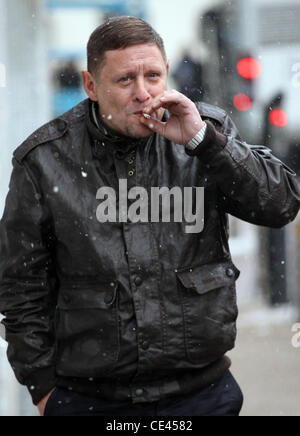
{"x": 243, "y": 55}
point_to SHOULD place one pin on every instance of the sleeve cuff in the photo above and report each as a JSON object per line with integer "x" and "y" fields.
{"x": 212, "y": 143}
{"x": 40, "y": 383}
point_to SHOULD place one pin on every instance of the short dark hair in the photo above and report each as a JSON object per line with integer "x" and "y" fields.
{"x": 117, "y": 33}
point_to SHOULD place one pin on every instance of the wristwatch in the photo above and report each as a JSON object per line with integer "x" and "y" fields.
{"x": 198, "y": 138}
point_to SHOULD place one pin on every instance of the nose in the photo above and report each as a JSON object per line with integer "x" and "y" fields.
{"x": 141, "y": 93}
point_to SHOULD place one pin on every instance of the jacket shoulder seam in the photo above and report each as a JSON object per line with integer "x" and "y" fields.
{"x": 50, "y": 131}
{"x": 40, "y": 137}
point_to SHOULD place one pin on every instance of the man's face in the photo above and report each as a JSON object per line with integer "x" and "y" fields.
{"x": 128, "y": 81}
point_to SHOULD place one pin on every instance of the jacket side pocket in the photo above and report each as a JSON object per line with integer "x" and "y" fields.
{"x": 208, "y": 298}
{"x": 88, "y": 330}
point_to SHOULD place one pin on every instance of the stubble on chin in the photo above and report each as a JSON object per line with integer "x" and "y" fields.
{"x": 131, "y": 132}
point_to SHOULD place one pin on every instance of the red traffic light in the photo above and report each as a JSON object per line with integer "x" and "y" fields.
{"x": 248, "y": 68}
{"x": 278, "y": 118}
{"x": 242, "y": 102}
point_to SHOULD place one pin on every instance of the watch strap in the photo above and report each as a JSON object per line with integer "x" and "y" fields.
{"x": 198, "y": 138}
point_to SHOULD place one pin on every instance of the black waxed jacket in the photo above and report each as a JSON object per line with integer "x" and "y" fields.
{"x": 117, "y": 301}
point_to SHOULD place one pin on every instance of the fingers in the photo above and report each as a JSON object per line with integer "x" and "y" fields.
{"x": 184, "y": 121}
{"x": 153, "y": 106}
{"x": 165, "y": 100}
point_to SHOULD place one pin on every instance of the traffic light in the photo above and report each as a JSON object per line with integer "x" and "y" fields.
{"x": 278, "y": 118}
{"x": 248, "y": 69}
{"x": 242, "y": 102}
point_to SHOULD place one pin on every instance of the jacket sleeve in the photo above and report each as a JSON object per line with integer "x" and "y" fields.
{"x": 253, "y": 184}
{"x": 27, "y": 284}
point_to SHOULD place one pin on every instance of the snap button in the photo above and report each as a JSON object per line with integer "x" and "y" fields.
{"x": 131, "y": 173}
{"x": 139, "y": 392}
{"x": 145, "y": 345}
{"x": 229, "y": 272}
{"x": 138, "y": 281}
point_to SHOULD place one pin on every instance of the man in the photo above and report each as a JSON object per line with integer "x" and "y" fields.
{"x": 111, "y": 316}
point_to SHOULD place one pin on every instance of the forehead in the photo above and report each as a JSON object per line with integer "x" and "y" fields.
{"x": 133, "y": 56}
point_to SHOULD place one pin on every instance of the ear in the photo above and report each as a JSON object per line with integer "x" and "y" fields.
{"x": 168, "y": 67}
{"x": 89, "y": 84}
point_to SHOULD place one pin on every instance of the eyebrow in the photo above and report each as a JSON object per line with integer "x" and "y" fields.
{"x": 132, "y": 72}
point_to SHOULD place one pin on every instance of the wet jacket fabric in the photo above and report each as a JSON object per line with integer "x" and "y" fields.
{"x": 140, "y": 310}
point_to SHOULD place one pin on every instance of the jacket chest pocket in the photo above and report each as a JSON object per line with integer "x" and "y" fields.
{"x": 87, "y": 329}
{"x": 209, "y": 308}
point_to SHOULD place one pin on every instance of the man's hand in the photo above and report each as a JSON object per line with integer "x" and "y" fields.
{"x": 184, "y": 122}
{"x": 42, "y": 404}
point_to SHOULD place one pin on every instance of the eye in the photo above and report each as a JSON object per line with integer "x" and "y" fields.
{"x": 124, "y": 79}
{"x": 153, "y": 75}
